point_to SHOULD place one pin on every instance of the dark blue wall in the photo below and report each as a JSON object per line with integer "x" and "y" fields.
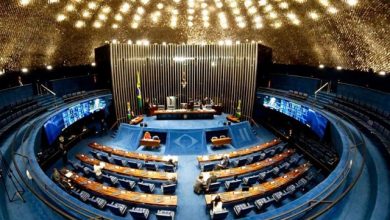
{"x": 373, "y": 97}
{"x": 11, "y": 95}
{"x": 73, "y": 84}
{"x": 296, "y": 83}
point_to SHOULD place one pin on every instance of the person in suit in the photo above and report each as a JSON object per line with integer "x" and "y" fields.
{"x": 199, "y": 184}
{"x": 224, "y": 163}
{"x": 212, "y": 179}
{"x": 97, "y": 169}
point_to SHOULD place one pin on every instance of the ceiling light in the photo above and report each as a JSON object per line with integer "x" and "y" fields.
{"x": 70, "y": 8}
{"x": 339, "y": 68}
{"x": 24, "y": 70}
{"x": 115, "y": 26}
{"x": 61, "y": 17}
{"x": 79, "y": 24}
{"x": 160, "y": 5}
{"x": 49, "y": 67}
{"x": 93, "y": 64}
{"x": 97, "y": 24}
{"x": 321, "y": 66}
{"x": 124, "y": 7}
{"x": 92, "y": 5}
{"x": 352, "y": 2}
{"x": 24, "y": 2}
{"x": 382, "y": 73}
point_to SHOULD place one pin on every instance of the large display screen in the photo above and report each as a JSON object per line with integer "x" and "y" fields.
{"x": 314, "y": 120}
{"x": 57, "y": 123}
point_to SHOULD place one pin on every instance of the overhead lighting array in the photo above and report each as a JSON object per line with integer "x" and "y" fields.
{"x": 252, "y": 14}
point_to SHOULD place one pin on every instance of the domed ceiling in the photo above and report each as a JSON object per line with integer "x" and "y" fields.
{"x": 354, "y": 34}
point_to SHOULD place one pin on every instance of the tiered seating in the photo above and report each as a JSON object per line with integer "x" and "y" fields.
{"x": 127, "y": 171}
{"x": 263, "y": 189}
{"x": 297, "y": 94}
{"x": 116, "y": 194}
{"x": 327, "y": 155}
{"x": 14, "y": 113}
{"x": 73, "y": 96}
{"x": 367, "y": 116}
{"x": 252, "y": 154}
{"x": 133, "y": 155}
{"x": 252, "y": 168}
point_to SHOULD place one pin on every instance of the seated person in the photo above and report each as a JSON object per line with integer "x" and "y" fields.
{"x": 97, "y": 169}
{"x": 155, "y": 137}
{"x": 147, "y": 135}
{"x": 170, "y": 181}
{"x": 198, "y": 187}
{"x": 223, "y": 164}
{"x": 210, "y": 180}
{"x": 216, "y": 204}
{"x": 170, "y": 162}
{"x": 56, "y": 176}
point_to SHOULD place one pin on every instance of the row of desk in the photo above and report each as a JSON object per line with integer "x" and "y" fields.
{"x": 118, "y": 194}
{"x": 261, "y": 189}
{"x": 238, "y": 153}
{"x": 220, "y": 174}
{"x": 132, "y": 155}
{"x": 127, "y": 171}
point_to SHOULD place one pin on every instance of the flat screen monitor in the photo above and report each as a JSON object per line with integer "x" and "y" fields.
{"x": 57, "y": 123}
{"x": 314, "y": 120}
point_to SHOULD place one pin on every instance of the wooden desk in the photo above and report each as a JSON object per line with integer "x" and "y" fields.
{"x": 127, "y": 171}
{"x": 238, "y": 153}
{"x": 185, "y": 114}
{"x": 251, "y": 167}
{"x": 261, "y": 189}
{"x": 221, "y": 141}
{"x": 118, "y": 194}
{"x": 232, "y": 118}
{"x": 133, "y": 155}
{"x": 136, "y": 120}
{"x": 150, "y": 143}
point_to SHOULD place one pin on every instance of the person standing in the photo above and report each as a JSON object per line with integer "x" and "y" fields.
{"x": 63, "y": 150}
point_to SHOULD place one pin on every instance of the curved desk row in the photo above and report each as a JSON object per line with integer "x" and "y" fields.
{"x": 261, "y": 189}
{"x": 238, "y": 153}
{"x": 251, "y": 167}
{"x": 132, "y": 155}
{"x": 127, "y": 171}
{"x": 118, "y": 194}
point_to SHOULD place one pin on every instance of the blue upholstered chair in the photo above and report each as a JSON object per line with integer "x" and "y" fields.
{"x": 117, "y": 208}
{"x": 262, "y": 176}
{"x": 242, "y": 209}
{"x": 139, "y": 213}
{"x": 214, "y": 187}
{"x": 169, "y": 168}
{"x": 127, "y": 184}
{"x": 239, "y": 162}
{"x": 146, "y": 187}
{"x": 134, "y": 164}
{"x": 219, "y": 215}
{"x": 168, "y": 189}
{"x": 253, "y": 159}
{"x": 207, "y": 167}
{"x": 277, "y": 196}
{"x": 84, "y": 196}
{"x": 165, "y": 215}
{"x": 232, "y": 184}
{"x": 263, "y": 203}
{"x": 151, "y": 166}
{"x": 275, "y": 171}
{"x": 98, "y": 202}
{"x": 250, "y": 180}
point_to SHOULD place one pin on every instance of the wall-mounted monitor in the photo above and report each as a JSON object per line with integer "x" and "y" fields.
{"x": 57, "y": 123}
{"x": 314, "y": 120}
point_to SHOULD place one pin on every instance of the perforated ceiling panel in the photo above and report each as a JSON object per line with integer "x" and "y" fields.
{"x": 349, "y": 33}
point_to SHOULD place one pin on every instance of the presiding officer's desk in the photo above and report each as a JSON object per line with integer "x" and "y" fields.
{"x": 261, "y": 189}
{"x": 120, "y": 195}
{"x": 238, "y": 153}
{"x": 127, "y": 171}
{"x": 185, "y": 114}
{"x": 220, "y": 174}
{"x": 133, "y": 155}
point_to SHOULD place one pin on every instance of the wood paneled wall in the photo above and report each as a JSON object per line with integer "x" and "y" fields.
{"x": 225, "y": 73}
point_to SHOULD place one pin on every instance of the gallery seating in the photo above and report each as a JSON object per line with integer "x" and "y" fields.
{"x": 146, "y": 187}
{"x": 139, "y": 213}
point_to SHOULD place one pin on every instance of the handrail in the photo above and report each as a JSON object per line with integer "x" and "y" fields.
{"x": 116, "y": 123}
{"x": 323, "y": 86}
{"x": 47, "y": 89}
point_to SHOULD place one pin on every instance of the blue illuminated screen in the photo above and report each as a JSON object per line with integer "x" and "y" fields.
{"x": 314, "y": 120}
{"x": 57, "y": 123}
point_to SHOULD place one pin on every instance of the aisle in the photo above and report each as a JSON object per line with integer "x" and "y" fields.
{"x": 190, "y": 205}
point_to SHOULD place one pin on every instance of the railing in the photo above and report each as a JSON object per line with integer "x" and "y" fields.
{"x": 318, "y": 90}
{"x": 47, "y": 89}
{"x": 51, "y": 198}
{"x": 40, "y": 190}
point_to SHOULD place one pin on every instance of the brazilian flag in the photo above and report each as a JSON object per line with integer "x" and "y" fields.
{"x": 139, "y": 96}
